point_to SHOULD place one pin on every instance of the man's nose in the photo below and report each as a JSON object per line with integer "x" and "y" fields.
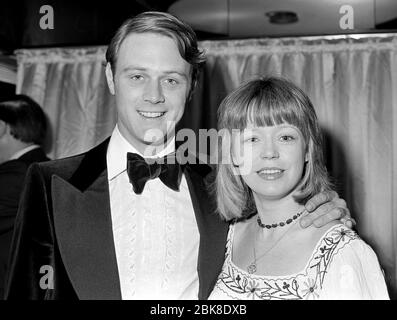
{"x": 153, "y": 92}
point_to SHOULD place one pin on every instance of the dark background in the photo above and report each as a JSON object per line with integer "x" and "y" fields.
{"x": 89, "y": 22}
{"x": 86, "y": 22}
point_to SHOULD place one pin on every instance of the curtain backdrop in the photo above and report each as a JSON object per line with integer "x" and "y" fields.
{"x": 351, "y": 81}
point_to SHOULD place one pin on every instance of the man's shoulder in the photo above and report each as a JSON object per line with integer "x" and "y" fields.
{"x": 87, "y": 163}
{"x": 35, "y": 155}
{"x": 61, "y": 163}
{"x": 63, "y": 167}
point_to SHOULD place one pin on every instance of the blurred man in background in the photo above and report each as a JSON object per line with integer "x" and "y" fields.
{"x": 22, "y": 131}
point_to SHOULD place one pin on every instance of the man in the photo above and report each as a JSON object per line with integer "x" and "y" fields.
{"x": 93, "y": 225}
{"x": 22, "y": 132}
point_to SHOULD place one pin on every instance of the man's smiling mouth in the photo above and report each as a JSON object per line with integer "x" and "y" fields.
{"x": 151, "y": 115}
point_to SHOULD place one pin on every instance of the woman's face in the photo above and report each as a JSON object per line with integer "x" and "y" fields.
{"x": 270, "y": 159}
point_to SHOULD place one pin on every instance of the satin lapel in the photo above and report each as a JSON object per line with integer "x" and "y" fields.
{"x": 84, "y": 234}
{"x": 83, "y": 228}
{"x": 213, "y": 233}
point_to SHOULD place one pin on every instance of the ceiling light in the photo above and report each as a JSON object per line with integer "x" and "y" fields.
{"x": 282, "y": 17}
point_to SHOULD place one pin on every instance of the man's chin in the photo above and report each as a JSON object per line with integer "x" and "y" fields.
{"x": 155, "y": 146}
{"x": 154, "y": 141}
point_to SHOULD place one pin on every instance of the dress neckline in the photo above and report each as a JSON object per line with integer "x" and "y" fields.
{"x": 303, "y": 271}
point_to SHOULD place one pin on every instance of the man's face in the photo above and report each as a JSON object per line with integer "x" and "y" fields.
{"x": 151, "y": 84}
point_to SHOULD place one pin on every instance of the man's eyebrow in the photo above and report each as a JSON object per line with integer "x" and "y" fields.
{"x": 167, "y": 72}
{"x": 181, "y": 74}
{"x": 132, "y": 68}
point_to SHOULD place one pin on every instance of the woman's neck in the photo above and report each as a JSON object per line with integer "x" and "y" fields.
{"x": 277, "y": 210}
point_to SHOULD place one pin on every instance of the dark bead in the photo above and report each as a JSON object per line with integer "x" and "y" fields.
{"x": 282, "y": 224}
{"x": 289, "y": 221}
{"x": 294, "y": 217}
{"x": 268, "y": 226}
{"x": 274, "y": 225}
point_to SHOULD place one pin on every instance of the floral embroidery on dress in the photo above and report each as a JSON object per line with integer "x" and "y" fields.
{"x": 238, "y": 284}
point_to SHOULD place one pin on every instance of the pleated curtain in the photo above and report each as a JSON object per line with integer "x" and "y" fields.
{"x": 352, "y": 82}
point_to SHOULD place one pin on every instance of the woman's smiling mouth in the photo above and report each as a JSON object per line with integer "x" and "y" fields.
{"x": 270, "y": 173}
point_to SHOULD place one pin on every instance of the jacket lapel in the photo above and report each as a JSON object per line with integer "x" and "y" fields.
{"x": 83, "y": 228}
{"x": 213, "y": 231}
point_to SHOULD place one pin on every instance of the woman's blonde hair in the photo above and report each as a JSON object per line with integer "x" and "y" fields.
{"x": 267, "y": 101}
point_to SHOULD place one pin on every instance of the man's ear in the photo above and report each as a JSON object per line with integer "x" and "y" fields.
{"x": 3, "y": 128}
{"x": 109, "y": 78}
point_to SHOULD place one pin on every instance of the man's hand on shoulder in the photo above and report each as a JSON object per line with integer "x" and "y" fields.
{"x": 324, "y": 208}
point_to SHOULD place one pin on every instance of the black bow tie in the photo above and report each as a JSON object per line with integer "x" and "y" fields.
{"x": 140, "y": 170}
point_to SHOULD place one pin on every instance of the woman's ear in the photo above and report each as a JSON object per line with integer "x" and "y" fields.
{"x": 227, "y": 153}
{"x": 307, "y": 156}
{"x": 236, "y": 150}
{"x": 237, "y": 160}
{"x": 309, "y": 149}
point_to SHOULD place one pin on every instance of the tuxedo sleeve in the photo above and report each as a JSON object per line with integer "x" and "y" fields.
{"x": 33, "y": 269}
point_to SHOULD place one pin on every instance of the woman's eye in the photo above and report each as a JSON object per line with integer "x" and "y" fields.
{"x": 287, "y": 138}
{"x": 252, "y": 139}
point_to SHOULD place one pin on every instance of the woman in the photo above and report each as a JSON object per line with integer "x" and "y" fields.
{"x": 270, "y": 166}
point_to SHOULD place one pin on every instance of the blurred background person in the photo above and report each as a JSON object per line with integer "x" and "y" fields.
{"x": 23, "y": 127}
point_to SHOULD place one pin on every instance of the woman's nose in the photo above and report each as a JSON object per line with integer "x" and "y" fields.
{"x": 269, "y": 151}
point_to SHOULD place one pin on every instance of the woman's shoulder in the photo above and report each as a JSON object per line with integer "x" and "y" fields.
{"x": 334, "y": 236}
{"x": 352, "y": 267}
{"x": 332, "y": 233}
{"x": 347, "y": 246}
{"x": 327, "y": 242}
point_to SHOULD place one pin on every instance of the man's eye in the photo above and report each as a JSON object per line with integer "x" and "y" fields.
{"x": 136, "y": 77}
{"x": 171, "y": 81}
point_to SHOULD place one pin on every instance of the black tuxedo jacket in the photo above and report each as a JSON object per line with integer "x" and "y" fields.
{"x": 12, "y": 176}
{"x": 63, "y": 228}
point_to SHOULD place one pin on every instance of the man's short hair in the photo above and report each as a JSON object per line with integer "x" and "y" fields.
{"x": 25, "y": 117}
{"x": 164, "y": 24}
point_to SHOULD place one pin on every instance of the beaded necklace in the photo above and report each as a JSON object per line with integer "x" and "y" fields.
{"x": 252, "y": 267}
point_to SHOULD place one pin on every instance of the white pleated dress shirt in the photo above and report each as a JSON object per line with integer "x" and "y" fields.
{"x": 155, "y": 233}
